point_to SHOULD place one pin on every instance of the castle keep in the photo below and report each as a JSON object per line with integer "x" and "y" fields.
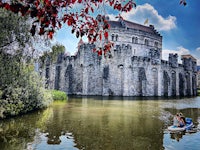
{"x": 134, "y": 67}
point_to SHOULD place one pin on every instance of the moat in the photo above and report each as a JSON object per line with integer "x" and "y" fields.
{"x": 102, "y": 123}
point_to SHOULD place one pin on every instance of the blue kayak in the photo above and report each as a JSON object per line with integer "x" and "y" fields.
{"x": 188, "y": 126}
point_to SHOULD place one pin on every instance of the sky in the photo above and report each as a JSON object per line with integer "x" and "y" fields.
{"x": 179, "y": 25}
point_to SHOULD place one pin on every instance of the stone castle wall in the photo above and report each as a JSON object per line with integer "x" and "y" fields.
{"x": 121, "y": 74}
{"x": 134, "y": 67}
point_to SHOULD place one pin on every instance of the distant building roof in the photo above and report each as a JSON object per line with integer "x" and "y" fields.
{"x": 189, "y": 56}
{"x": 132, "y": 25}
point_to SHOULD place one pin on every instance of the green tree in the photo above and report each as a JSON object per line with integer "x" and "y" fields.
{"x": 14, "y": 31}
{"x": 21, "y": 89}
{"x": 52, "y": 55}
{"x": 56, "y": 50}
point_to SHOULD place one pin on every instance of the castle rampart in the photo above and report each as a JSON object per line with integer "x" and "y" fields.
{"x": 134, "y": 68}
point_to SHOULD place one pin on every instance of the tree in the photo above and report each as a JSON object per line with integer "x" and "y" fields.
{"x": 52, "y": 55}
{"x": 78, "y": 14}
{"x": 13, "y": 31}
{"x": 21, "y": 89}
{"x": 16, "y": 39}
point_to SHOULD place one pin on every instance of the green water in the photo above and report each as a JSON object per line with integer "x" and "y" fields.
{"x": 102, "y": 123}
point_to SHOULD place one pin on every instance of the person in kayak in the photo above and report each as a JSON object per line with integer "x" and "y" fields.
{"x": 179, "y": 120}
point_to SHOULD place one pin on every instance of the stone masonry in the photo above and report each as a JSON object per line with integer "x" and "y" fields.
{"x": 134, "y": 67}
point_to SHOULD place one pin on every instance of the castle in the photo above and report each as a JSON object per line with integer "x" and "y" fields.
{"x": 134, "y": 68}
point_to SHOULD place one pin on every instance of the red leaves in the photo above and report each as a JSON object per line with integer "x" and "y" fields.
{"x": 106, "y": 35}
{"x": 41, "y": 31}
{"x": 73, "y": 1}
{"x": 106, "y": 25}
{"x": 100, "y": 37}
{"x": 48, "y": 19}
{"x": 69, "y": 23}
{"x": 50, "y": 34}
{"x": 92, "y": 9}
{"x": 118, "y": 6}
{"x": 107, "y": 47}
{"x": 6, "y": 6}
{"x": 86, "y": 10}
{"x": 99, "y": 52}
{"x": 111, "y": 2}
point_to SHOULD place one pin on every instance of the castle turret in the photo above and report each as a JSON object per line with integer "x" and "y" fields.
{"x": 173, "y": 60}
{"x": 189, "y": 62}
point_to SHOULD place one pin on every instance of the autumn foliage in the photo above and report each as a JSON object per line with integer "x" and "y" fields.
{"x": 49, "y": 15}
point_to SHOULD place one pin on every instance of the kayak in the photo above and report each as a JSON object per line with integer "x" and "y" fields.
{"x": 188, "y": 126}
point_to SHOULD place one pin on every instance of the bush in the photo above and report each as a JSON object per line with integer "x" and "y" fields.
{"x": 30, "y": 95}
{"x": 198, "y": 92}
{"x": 59, "y": 95}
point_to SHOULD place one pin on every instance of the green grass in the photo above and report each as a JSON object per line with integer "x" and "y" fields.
{"x": 59, "y": 95}
{"x": 198, "y": 92}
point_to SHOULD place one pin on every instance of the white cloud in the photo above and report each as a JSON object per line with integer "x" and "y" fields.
{"x": 180, "y": 51}
{"x": 142, "y": 12}
{"x": 197, "y": 54}
{"x": 198, "y": 49}
{"x": 198, "y": 62}
{"x": 112, "y": 17}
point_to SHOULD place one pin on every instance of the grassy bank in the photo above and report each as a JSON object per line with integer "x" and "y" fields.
{"x": 59, "y": 95}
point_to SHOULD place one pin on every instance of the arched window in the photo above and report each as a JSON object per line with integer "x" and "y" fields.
{"x": 113, "y": 37}
{"x": 156, "y": 44}
{"x": 133, "y": 39}
{"x": 146, "y": 42}
{"x": 116, "y": 38}
{"x": 136, "y": 40}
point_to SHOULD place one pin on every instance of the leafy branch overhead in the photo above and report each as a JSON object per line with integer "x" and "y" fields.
{"x": 50, "y": 15}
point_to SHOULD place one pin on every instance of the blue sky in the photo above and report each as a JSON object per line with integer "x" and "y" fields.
{"x": 179, "y": 25}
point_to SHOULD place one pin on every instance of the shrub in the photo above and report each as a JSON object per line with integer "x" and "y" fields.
{"x": 198, "y": 92}
{"x": 29, "y": 94}
{"x": 59, "y": 95}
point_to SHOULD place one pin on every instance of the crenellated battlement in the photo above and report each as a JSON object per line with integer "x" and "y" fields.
{"x": 140, "y": 59}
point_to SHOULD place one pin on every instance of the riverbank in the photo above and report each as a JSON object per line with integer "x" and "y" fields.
{"x": 12, "y": 107}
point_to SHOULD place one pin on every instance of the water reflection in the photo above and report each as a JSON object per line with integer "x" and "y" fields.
{"x": 43, "y": 142}
{"x": 91, "y": 123}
